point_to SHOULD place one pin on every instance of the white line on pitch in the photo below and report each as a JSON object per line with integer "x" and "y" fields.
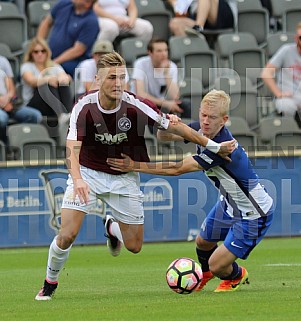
{"x": 283, "y": 264}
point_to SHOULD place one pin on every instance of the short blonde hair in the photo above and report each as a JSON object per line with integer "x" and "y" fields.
{"x": 217, "y": 98}
{"x": 111, "y": 59}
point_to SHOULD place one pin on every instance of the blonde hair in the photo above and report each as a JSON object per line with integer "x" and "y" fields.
{"x": 33, "y": 43}
{"x": 111, "y": 59}
{"x": 217, "y": 98}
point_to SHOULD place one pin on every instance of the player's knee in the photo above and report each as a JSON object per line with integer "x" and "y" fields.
{"x": 134, "y": 247}
{"x": 65, "y": 240}
{"x": 201, "y": 243}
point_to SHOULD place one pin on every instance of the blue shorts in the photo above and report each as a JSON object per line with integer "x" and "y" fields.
{"x": 240, "y": 236}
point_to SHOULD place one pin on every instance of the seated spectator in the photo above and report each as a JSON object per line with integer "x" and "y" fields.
{"x": 8, "y": 108}
{"x": 156, "y": 78}
{"x": 45, "y": 83}
{"x": 87, "y": 69}
{"x": 193, "y": 16}
{"x": 74, "y": 29}
{"x": 120, "y": 17}
{"x": 286, "y": 65}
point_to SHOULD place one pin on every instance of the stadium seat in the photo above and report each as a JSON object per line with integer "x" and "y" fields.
{"x": 36, "y": 11}
{"x": 248, "y": 5}
{"x": 160, "y": 21}
{"x": 279, "y": 133}
{"x": 202, "y": 66}
{"x": 149, "y": 6}
{"x": 240, "y": 53}
{"x": 8, "y": 8}
{"x": 227, "y": 43}
{"x": 155, "y": 12}
{"x": 280, "y": 6}
{"x": 132, "y": 48}
{"x": 290, "y": 19}
{"x": 192, "y": 89}
{"x": 31, "y": 142}
{"x": 15, "y": 34}
{"x": 181, "y": 45}
{"x": 255, "y": 21}
{"x": 242, "y": 133}
{"x": 276, "y": 40}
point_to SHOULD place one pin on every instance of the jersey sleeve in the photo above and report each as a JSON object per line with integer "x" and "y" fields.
{"x": 156, "y": 117}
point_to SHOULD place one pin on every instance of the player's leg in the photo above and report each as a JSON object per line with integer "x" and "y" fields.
{"x": 178, "y": 25}
{"x": 213, "y": 229}
{"x": 132, "y": 235}
{"x": 222, "y": 264}
{"x": 241, "y": 239}
{"x": 125, "y": 225}
{"x": 59, "y": 251}
{"x": 73, "y": 213}
{"x": 207, "y": 11}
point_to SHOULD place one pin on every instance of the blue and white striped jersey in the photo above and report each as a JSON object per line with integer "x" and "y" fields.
{"x": 237, "y": 181}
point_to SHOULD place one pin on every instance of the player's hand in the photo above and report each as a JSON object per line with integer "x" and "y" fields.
{"x": 227, "y": 148}
{"x": 174, "y": 119}
{"x": 82, "y": 190}
{"x": 124, "y": 164}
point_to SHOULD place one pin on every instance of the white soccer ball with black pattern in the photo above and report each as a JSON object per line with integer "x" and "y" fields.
{"x": 184, "y": 275}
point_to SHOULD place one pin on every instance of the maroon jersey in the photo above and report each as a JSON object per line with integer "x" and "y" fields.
{"x": 108, "y": 133}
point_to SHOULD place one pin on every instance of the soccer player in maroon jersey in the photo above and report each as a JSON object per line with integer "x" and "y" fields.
{"x": 106, "y": 123}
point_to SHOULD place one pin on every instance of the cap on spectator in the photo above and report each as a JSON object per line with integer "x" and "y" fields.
{"x": 102, "y": 46}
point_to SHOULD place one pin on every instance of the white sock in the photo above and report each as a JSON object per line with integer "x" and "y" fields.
{"x": 115, "y": 230}
{"x": 56, "y": 260}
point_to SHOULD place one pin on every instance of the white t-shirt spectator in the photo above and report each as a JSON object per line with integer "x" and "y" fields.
{"x": 153, "y": 78}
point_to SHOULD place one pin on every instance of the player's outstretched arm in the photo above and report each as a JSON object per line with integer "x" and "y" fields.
{"x": 126, "y": 164}
{"x": 188, "y": 133}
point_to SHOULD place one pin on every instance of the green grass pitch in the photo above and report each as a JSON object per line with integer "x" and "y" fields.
{"x": 96, "y": 286}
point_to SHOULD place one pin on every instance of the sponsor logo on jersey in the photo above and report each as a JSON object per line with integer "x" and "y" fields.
{"x": 124, "y": 124}
{"x": 107, "y": 138}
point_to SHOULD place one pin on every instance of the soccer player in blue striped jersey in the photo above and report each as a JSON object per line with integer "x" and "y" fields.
{"x": 244, "y": 211}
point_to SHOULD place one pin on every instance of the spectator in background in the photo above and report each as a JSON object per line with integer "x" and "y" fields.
{"x": 156, "y": 79}
{"x": 120, "y": 17}
{"x": 8, "y": 109}
{"x": 193, "y": 16}
{"x": 74, "y": 30}
{"x": 45, "y": 83}
{"x": 86, "y": 71}
{"x": 286, "y": 65}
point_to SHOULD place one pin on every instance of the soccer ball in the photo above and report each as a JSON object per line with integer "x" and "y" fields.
{"x": 184, "y": 275}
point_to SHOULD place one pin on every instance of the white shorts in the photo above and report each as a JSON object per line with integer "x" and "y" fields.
{"x": 121, "y": 192}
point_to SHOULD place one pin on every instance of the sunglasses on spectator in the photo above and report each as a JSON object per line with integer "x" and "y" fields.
{"x": 37, "y": 51}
